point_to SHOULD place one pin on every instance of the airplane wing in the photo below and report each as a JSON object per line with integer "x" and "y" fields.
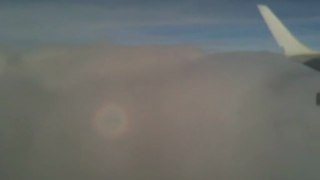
{"x": 292, "y": 47}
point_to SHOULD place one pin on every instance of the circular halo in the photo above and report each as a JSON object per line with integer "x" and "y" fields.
{"x": 110, "y": 121}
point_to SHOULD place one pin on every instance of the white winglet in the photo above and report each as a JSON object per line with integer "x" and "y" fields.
{"x": 292, "y": 46}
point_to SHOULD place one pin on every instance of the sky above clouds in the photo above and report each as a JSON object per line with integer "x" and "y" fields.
{"x": 211, "y": 24}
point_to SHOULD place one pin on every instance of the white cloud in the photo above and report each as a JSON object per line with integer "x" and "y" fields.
{"x": 175, "y": 114}
{"x": 66, "y": 66}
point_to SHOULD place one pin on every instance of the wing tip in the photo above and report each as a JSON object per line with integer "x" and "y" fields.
{"x": 262, "y": 6}
{"x": 285, "y": 39}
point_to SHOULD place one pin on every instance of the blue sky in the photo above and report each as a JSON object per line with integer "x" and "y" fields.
{"x": 215, "y": 25}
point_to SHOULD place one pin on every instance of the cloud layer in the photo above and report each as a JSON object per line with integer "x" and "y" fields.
{"x": 161, "y": 112}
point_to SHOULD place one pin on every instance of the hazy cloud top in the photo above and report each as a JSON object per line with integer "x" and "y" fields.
{"x": 122, "y": 112}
